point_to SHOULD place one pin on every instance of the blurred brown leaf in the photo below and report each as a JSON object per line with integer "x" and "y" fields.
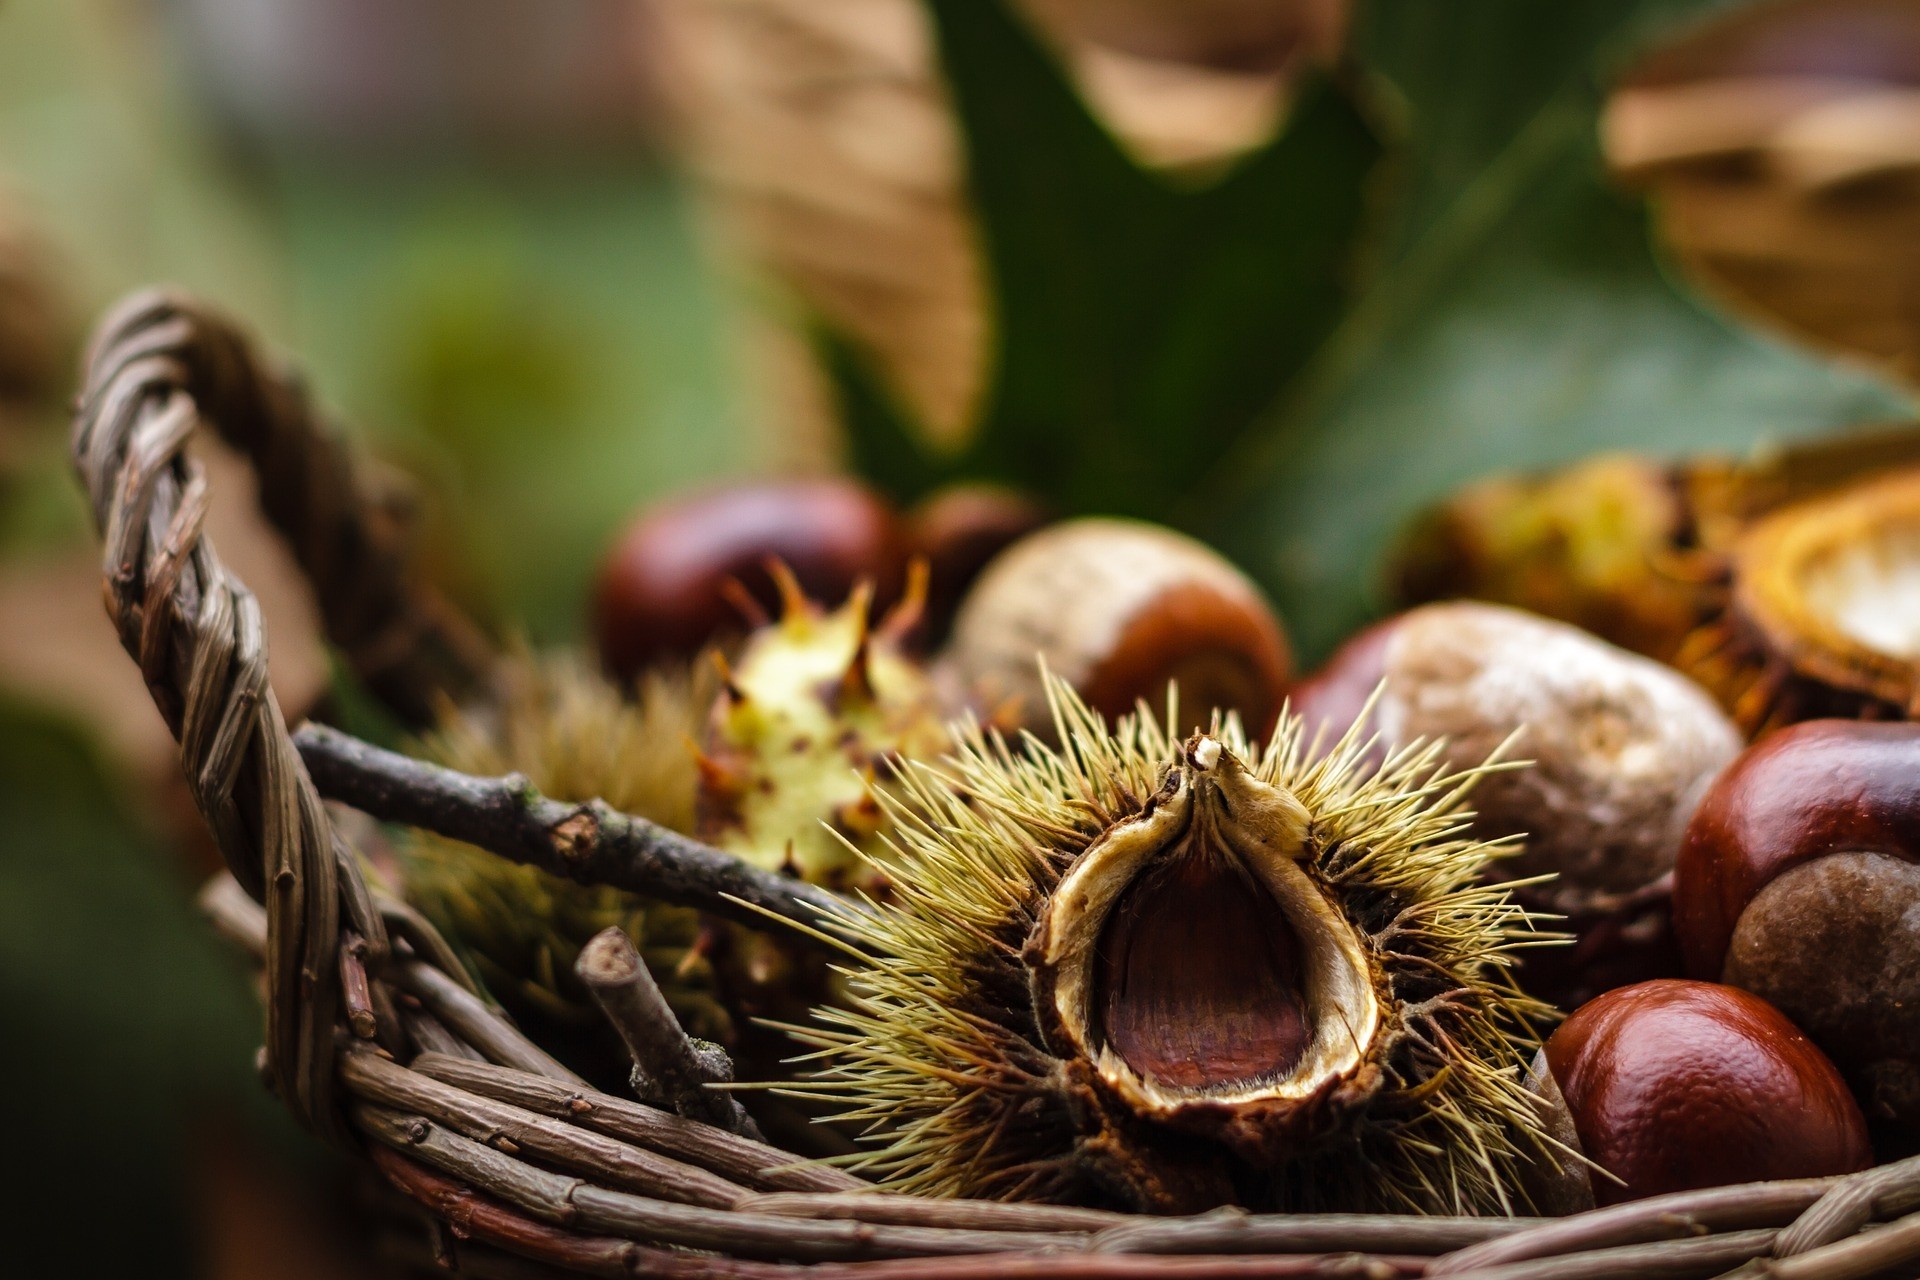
{"x": 1783, "y": 148}
{"x": 823, "y": 131}
{"x": 58, "y": 648}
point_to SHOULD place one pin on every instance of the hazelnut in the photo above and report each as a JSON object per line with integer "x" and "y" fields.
{"x": 1798, "y": 881}
{"x": 1118, "y": 609}
{"x": 1675, "y": 1085}
{"x": 1621, "y": 746}
{"x": 959, "y": 530}
{"x": 664, "y": 588}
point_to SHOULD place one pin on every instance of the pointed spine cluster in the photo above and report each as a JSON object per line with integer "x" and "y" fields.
{"x": 941, "y": 1062}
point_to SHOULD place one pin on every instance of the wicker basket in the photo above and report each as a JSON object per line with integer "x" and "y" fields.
{"x": 378, "y": 1042}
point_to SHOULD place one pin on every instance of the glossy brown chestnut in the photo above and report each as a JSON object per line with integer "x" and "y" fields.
{"x": 959, "y": 529}
{"x": 663, "y": 588}
{"x": 1799, "y": 880}
{"x": 1675, "y": 1085}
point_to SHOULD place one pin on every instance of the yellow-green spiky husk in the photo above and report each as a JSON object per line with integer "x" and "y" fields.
{"x": 943, "y": 1062}
{"x": 816, "y": 711}
{"x": 576, "y": 737}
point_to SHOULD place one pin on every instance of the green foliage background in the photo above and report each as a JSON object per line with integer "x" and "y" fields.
{"x": 1423, "y": 277}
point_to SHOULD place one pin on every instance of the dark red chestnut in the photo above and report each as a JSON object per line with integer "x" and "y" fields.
{"x": 663, "y": 589}
{"x": 1331, "y": 699}
{"x": 1798, "y": 881}
{"x": 958, "y": 529}
{"x": 1675, "y": 1085}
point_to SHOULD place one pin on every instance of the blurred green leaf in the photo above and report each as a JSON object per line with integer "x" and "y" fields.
{"x": 1521, "y": 317}
{"x": 1204, "y": 355}
{"x": 124, "y": 1018}
{"x": 1140, "y": 322}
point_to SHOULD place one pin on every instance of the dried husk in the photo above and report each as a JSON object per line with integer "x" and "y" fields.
{"x": 1823, "y": 614}
{"x": 572, "y": 733}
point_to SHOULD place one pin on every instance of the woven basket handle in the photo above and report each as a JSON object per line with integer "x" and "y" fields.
{"x": 160, "y": 367}
{"x": 348, "y": 524}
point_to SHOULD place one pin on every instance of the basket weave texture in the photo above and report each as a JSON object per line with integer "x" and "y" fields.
{"x": 378, "y": 1041}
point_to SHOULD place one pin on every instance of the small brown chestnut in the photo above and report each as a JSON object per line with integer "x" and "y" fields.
{"x": 1118, "y": 609}
{"x": 958, "y": 530}
{"x": 1676, "y": 1085}
{"x": 1799, "y": 880}
{"x": 663, "y": 588}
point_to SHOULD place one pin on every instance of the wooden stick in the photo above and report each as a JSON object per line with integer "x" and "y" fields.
{"x": 873, "y": 1205}
{"x": 608, "y": 1161}
{"x": 669, "y": 1067}
{"x": 477, "y": 1022}
{"x": 1666, "y": 1260}
{"x": 1851, "y": 1204}
{"x": 618, "y": 1259}
{"x": 1871, "y": 1253}
{"x": 1668, "y": 1217}
{"x": 1242, "y": 1233}
{"x": 591, "y": 843}
{"x": 751, "y": 1163}
{"x": 573, "y": 1202}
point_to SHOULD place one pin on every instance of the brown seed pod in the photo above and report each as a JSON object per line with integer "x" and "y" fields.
{"x": 1170, "y": 973}
{"x": 1117, "y": 609}
{"x": 1622, "y": 748}
{"x": 1677, "y": 1085}
{"x": 1823, "y": 614}
{"x": 666, "y": 588}
{"x": 1800, "y": 881}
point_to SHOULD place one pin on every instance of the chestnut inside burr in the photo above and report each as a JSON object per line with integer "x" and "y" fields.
{"x": 1200, "y": 980}
{"x": 1869, "y": 589}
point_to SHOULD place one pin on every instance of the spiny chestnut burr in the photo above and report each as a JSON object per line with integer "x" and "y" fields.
{"x": 1799, "y": 880}
{"x": 666, "y": 588}
{"x": 958, "y": 530}
{"x": 1676, "y": 1085}
{"x": 1118, "y": 609}
{"x": 1586, "y": 544}
{"x": 1166, "y": 972}
{"x": 1621, "y": 749}
{"x": 813, "y": 714}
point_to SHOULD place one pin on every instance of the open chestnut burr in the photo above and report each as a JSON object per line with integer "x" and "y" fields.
{"x": 1675, "y": 1085}
{"x": 1798, "y": 880}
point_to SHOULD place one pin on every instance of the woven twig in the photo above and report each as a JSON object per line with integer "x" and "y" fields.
{"x": 378, "y": 1039}
{"x": 348, "y": 524}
